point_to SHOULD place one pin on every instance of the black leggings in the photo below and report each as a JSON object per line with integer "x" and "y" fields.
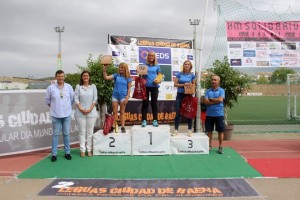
{"x": 154, "y": 95}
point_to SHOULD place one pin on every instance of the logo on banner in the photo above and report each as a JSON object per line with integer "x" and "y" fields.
{"x": 262, "y": 63}
{"x": 235, "y": 62}
{"x": 249, "y": 61}
{"x": 289, "y": 46}
{"x": 235, "y": 45}
{"x": 190, "y": 57}
{"x": 249, "y": 53}
{"x": 163, "y": 54}
{"x": 115, "y": 53}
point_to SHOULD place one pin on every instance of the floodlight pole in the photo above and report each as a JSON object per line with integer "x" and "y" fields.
{"x": 195, "y": 23}
{"x": 59, "y": 31}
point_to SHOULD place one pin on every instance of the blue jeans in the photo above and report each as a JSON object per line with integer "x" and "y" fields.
{"x": 179, "y": 99}
{"x": 61, "y": 125}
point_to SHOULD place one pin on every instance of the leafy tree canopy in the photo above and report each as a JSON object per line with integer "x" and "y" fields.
{"x": 104, "y": 87}
{"x": 232, "y": 81}
{"x": 279, "y": 76}
{"x": 72, "y": 79}
{"x": 262, "y": 80}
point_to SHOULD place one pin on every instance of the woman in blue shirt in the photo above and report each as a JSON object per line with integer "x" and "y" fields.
{"x": 183, "y": 78}
{"x": 151, "y": 88}
{"x": 121, "y": 91}
{"x": 86, "y": 98}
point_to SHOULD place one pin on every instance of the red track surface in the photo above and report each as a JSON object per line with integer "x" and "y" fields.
{"x": 272, "y": 158}
{"x": 277, "y": 167}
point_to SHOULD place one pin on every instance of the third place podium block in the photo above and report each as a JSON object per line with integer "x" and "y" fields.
{"x": 150, "y": 140}
{"x": 112, "y": 144}
{"x": 197, "y": 144}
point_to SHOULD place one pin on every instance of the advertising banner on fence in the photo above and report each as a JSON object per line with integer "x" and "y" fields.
{"x": 26, "y": 125}
{"x": 25, "y": 122}
{"x": 263, "y": 44}
{"x": 170, "y": 53}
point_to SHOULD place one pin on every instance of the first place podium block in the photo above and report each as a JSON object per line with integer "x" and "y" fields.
{"x": 197, "y": 144}
{"x": 112, "y": 144}
{"x": 150, "y": 140}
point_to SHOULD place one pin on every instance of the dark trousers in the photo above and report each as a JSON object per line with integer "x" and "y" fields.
{"x": 154, "y": 95}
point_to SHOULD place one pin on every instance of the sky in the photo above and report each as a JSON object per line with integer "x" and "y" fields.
{"x": 29, "y": 43}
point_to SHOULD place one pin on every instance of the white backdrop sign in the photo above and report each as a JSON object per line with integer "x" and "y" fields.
{"x": 171, "y": 54}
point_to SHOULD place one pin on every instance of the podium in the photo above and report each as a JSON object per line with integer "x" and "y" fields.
{"x": 112, "y": 144}
{"x": 150, "y": 140}
{"x": 183, "y": 144}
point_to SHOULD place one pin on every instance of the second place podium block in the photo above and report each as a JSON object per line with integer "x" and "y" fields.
{"x": 112, "y": 144}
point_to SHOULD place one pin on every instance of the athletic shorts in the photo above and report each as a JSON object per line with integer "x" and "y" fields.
{"x": 113, "y": 99}
{"x": 214, "y": 122}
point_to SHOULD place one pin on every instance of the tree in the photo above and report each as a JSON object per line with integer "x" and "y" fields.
{"x": 279, "y": 76}
{"x": 72, "y": 79}
{"x": 262, "y": 80}
{"x": 104, "y": 88}
{"x": 232, "y": 81}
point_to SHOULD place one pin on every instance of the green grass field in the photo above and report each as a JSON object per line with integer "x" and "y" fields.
{"x": 261, "y": 110}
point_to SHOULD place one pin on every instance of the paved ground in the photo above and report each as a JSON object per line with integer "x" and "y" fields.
{"x": 12, "y": 188}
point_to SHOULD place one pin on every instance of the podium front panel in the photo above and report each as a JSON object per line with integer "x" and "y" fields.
{"x": 150, "y": 140}
{"x": 112, "y": 144}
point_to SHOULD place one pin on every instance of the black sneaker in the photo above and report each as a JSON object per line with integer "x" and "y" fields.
{"x": 68, "y": 156}
{"x": 220, "y": 151}
{"x": 53, "y": 159}
{"x": 123, "y": 130}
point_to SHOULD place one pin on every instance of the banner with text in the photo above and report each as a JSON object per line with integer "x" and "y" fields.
{"x": 263, "y": 44}
{"x": 25, "y": 122}
{"x": 171, "y": 54}
{"x": 150, "y": 188}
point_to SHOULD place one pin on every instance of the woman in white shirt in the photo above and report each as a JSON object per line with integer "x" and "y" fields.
{"x": 85, "y": 113}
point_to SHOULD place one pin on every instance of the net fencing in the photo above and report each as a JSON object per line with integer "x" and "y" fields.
{"x": 268, "y": 107}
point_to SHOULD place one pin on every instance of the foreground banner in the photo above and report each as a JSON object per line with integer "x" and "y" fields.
{"x": 263, "y": 44}
{"x": 149, "y": 188}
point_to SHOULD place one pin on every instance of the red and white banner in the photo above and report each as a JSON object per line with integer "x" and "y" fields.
{"x": 263, "y": 44}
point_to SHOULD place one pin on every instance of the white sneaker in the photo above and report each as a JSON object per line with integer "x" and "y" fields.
{"x": 175, "y": 133}
{"x": 190, "y": 133}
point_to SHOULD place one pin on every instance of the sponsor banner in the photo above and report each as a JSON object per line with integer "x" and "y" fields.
{"x": 166, "y": 110}
{"x": 149, "y": 188}
{"x": 263, "y": 31}
{"x": 263, "y": 44}
{"x": 170, "y": 55}
{"x": 26, "y": 123}
{"x": 146, "y": 41}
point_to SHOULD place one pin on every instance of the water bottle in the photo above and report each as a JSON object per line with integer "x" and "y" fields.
{"x": 116, "y": 127}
